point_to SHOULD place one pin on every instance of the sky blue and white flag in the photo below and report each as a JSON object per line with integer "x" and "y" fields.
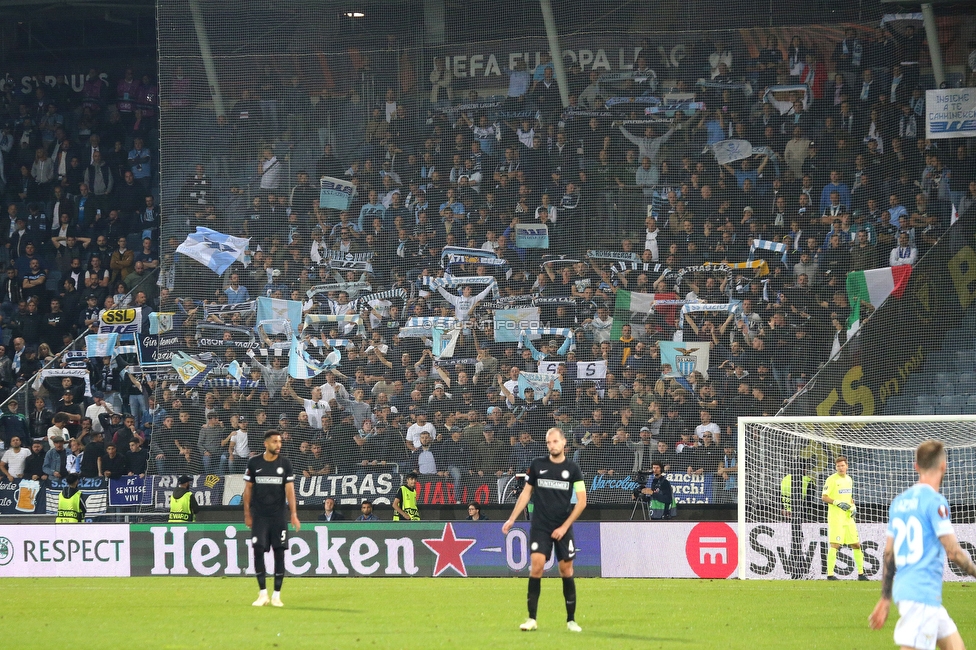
{"x": 335, "y": 193}
{"x": 302, "y": 366}
{"x": 685, "y": 357}
{"x": 766, "y": 245}
{"x": 444, "y": 341}
{"x": 101, "y": 345}
{"x": 160, "y": 322}
{"x": 273, "y": 312}
{"x": 728, "y": 151}
{"x": 235, "y": 370}
{"x": 214, "y": 250}
{"x": 192, "y": 370}
{"x": 509, "y": 323}
{"x": 531, "y": 235}
{"x": 539, "y": 382}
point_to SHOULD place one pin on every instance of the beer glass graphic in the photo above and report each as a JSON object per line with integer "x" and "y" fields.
{"x": 27, "y": 495}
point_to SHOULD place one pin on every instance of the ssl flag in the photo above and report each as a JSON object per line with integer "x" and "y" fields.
{"x": 214, "y": 250}
{"x": 874, "y": 287}
{"x": 101, "y": 345}
{"x": 509, "y": 322}
{"x": 728, "y": 151}
{"x": 685, "y": 357}
{"x": 630, "y": 306}
{"x": 275, "y": 309}
{"x": 335, "y": 193}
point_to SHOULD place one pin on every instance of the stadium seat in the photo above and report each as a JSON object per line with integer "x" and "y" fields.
{"x": 926, "y": 400}
{"x": 965, "y": 383}
{"x": 921, "y": 410}
{"x": 971, "y": 405}
{"x": 952, "y": 404}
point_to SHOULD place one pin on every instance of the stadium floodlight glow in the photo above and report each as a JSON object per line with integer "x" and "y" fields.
{"x": 354, "y": 14}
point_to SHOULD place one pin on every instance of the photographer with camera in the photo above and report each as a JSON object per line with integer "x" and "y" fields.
{"x": 658, "y": 493}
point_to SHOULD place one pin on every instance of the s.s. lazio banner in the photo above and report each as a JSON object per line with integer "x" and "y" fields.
{"x": 950, "y": 113}
{"x": 335, "y": 193}
{"x": 685, "y": 357}
{"x": 531, "y": 235}
{"x": 381, "y": 549}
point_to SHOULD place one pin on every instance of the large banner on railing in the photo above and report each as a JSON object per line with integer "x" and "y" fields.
{"x": 383, "y": 549}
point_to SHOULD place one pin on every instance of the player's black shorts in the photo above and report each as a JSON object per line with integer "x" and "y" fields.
{"x": 269, "y": 532}
{"x": 541, "y": 541}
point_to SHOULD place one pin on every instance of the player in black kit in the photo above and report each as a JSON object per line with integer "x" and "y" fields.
{"x": 550, "y": 485}
{"x": 269, "y": 483}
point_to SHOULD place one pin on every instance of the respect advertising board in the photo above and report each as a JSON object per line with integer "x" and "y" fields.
{"x": 382, "y": 549}
{"x": 65, "y": 550}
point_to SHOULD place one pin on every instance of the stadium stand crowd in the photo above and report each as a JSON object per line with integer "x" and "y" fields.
{"x": 749, "y": 256}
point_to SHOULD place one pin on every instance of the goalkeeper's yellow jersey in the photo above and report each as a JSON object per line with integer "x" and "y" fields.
{"x": 841, "y": 490}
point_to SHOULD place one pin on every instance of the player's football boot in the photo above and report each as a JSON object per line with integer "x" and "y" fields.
{"x": 831, "y": 577}
{"x": 261, "y": 601}
{"x": 573, "y": 626}
{"x": 529, "y": 625}
{"x": 276, "y": 601}
{"x": 863, "y": 577}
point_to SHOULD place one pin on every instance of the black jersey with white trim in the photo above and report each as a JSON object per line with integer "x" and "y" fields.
{"x": 268, "y": 479}
{"x": 553, "y": 486}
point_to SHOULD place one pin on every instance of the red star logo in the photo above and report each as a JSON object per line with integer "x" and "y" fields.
{"x": 450, "y": 551}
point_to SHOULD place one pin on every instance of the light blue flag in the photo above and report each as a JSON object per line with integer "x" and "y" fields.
{"x": 234, "y": 369}
{"x": 510, "y": 322}
{"x": 302, "y": 366}
{"x": 214, "y": 250}
{"x": 101, "y": 345}
{"x": 531, "y": 235}
{"x": 160, "y": 322}
{"x": 275, "y": 309}
{"x": 685, "y": 357}
{"x": 335, "y": 193}
{"x": 539, "y": 382}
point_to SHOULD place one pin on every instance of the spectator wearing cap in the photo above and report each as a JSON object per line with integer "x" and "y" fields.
{"x": 34, "y": 465}
{"x": 97, "y": 407}
{"x": 55, "y": 460}
{"x": 183, "y": 507}
{"x": 112, "y": 464}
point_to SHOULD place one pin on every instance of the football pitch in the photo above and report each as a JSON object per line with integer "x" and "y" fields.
{"x": 421, "y": 613}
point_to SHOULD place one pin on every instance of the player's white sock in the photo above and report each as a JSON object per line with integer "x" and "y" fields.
{"x": 262, "y": 592}
{"x": 276, "y": 594}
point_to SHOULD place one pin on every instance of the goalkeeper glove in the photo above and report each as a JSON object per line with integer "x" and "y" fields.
{"x": 843, "y": 506}
{"x": 852, "y": 510}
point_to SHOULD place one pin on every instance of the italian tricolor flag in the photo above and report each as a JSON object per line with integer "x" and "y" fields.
{"x": 626, "y": 308}
{"x": 874, "y": 287}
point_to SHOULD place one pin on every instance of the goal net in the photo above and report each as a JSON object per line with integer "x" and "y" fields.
{"x": 783, "y": 463}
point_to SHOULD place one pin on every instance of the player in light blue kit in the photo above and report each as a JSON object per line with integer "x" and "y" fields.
{"x": 920, "y": 537}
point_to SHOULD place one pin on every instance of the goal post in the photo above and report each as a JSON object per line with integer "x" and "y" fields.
{"x": 784, "y": 461}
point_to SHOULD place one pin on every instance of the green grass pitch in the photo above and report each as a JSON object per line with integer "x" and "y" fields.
{"x": 183, "y": 613}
